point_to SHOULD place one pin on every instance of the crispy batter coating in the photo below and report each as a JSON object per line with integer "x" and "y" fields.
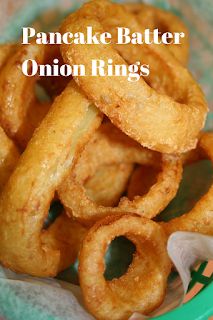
{"x": 142, "y": 288}
{"x": 200, "y": 218}
{"x": 157, "y": 121}
{"x": 25, "y": 200}
{"x": 110, "y": 145}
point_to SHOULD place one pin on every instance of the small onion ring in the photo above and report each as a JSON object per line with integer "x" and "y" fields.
{"x": 155, "y": 120}
{"x": 109, "y": 145}
{"x": 64, "y": 235}
{"x": 200, "y": 218}
{"x": 142, "y": 288}
{"x": 25, "y": 199}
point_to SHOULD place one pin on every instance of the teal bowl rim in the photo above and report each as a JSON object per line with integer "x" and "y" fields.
{"x": 199, "y": 307}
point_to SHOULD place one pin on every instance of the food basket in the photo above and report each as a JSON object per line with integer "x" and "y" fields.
{"x": 198, "y": 15}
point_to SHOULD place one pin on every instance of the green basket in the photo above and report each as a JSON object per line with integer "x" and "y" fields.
{"x": 201, "y": 306}
{"x": 198, "y": 308}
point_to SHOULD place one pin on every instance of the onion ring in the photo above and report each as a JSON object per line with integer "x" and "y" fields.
{"x": 26, "y": 198}
{"x": 152, "y": 17}
{"x": 17, "y": 98}
{"x": 142, "y": 288}
{"x": 109, "y": 145}
{"x": 154, "y": 120}
{"x": 200, "y": 218}
{"x": 108, "y": 184}
{"x": 64, "y": 235}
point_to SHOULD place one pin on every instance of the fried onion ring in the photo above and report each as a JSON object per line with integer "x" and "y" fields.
{"x": 109, "y": 145}
{"x": 200, "y": 218}
{"x": 26, "y": 198}
{"x": 136, "y": 108}
{"x": 18, "y": 105}
{"x": 152, "y": 17}
{"x": 64, "y": 235}
{"x": 115, "y": 299}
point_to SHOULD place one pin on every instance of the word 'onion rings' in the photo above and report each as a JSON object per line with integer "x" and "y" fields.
{"x": 110, "y": 145}
{"x": 152, "y": 17}
{"x": 154, "y": 120}
{"x": 20, "y": 112}
{"x": 26, "y": 198}
{"x": 200, "y": 218}
{"x": 108, "y": 184}
{"x": 142, "y": 287}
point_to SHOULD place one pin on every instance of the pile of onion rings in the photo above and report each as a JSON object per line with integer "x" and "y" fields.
{"x": 111, "y": 151}
{"x": 108, "y": 146}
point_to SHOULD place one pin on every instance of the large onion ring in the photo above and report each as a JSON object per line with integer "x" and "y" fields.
{"x": 200, "y": 218}
{"x": 26, "y": 198}
{"x": 154, "y": 120}
{"x": 109, "y": 145}
{"x": 64, "y": 233}
{"x": 142, "y": 288}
